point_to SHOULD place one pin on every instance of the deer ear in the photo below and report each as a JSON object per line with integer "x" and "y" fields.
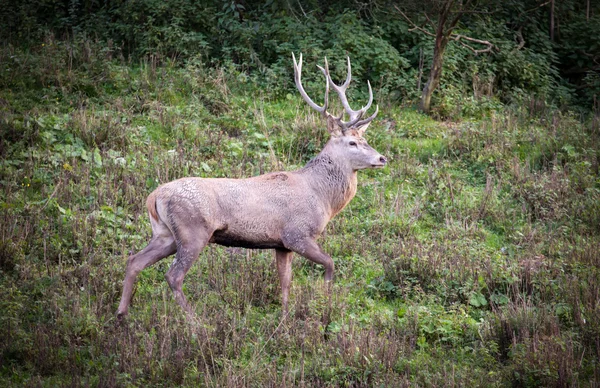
{"x": 334, "y": 127}
{"x": 361, "y": 130}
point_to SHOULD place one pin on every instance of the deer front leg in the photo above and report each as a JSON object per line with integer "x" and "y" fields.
{"x": 309, "y": 249}
{"x": 313, "y": 252}
{"x": 284, "y": 268}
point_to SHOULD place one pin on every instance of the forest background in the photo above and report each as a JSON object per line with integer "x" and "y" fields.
{"x": 472, "y": 259}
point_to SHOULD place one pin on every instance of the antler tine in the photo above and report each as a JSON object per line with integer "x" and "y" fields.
{"x": 357, "y": 122}
{"x": 368, "y": 119}
{"x": 348, "y": 76}
{"x": 355, "y": 115}
{"x": 297, "y": 79}
{"x": 366, "y": 107}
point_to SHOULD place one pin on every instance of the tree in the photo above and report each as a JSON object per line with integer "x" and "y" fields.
{"x": 449, "y": 13}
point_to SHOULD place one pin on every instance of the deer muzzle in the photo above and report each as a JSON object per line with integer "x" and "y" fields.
{"x": 380, "y": 162}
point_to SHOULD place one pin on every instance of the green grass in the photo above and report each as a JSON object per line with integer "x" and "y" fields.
{"x": 470, "y": 260}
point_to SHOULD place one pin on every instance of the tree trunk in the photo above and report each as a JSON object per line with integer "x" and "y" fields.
{"x": 434, "y": 77}
{"x": 443, "y": 33}
{"x": 441, "y": 40}
{"x": 587, "y": 11}
{"x": 552, "y": 20}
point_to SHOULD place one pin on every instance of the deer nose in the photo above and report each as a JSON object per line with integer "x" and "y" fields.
{"x": 382, "y": 159}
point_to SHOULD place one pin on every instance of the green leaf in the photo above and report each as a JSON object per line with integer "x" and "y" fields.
{"x": 500, "y": 299}
{"x": 402, "y": 311}
{"x": 478, "y": 300}
{"x": 61, "y": 209}
{"x": 205, "y": 167}
{"x": 97, "y": 157}
{"x": 334, "y": 327}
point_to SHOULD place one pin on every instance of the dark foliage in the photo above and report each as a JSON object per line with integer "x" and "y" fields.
{"x": 259, "y": 36}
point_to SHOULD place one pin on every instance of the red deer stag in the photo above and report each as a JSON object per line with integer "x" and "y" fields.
{"x": 284, "y": 211}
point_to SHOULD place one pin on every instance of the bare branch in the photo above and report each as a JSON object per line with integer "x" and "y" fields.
{"x": 479, "y": 12}
{"x": 456, "y": 19}
{"x": 431, "y": 23}
{"x": 534, "y": 8}
{"x": 415, "y": 27}
{"x": 593, "y": 57}
{"x": 476, "y": 51}
{"x": 422, "y": 30}
{"x": 458, "y": 38}
{"x": 520, "y": 39}
{"x": 302, "y": 9}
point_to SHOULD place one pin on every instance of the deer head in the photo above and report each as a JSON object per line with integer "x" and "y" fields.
{"x": 346, "y": 136}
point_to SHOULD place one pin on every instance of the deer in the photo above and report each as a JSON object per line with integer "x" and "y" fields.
{"x": 283, "y": 211}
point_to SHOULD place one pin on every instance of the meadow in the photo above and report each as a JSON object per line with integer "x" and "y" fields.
{"x": 472, "y": 259}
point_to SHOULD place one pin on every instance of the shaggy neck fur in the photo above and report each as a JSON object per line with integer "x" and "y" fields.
{"x": 334, "y": 181}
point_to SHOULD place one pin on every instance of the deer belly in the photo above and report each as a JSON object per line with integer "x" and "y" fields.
{"x": 229, "y": 238}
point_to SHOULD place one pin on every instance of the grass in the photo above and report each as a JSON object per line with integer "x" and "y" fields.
{"x": 472, "y": 259}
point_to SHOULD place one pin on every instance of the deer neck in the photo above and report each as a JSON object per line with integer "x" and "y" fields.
{"x": 334, "y": 181}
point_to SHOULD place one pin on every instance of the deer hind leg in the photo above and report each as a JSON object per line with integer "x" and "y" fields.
{"x": 187, "y": 254}
{"x": 158, "y": 248}
{"x": 284, "y": 268}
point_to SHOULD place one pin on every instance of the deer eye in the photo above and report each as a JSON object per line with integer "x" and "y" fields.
{"x": 352, "y": 143}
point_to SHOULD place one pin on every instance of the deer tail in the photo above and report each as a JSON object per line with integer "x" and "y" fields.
{"x": 151, "y": 205}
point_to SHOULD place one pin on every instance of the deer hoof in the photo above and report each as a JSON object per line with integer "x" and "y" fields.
{"x": 121, "y": 316}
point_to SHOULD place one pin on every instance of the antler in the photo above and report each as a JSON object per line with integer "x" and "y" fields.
{"x": 297, "y": 75}
{"x": 355, "y": 115}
